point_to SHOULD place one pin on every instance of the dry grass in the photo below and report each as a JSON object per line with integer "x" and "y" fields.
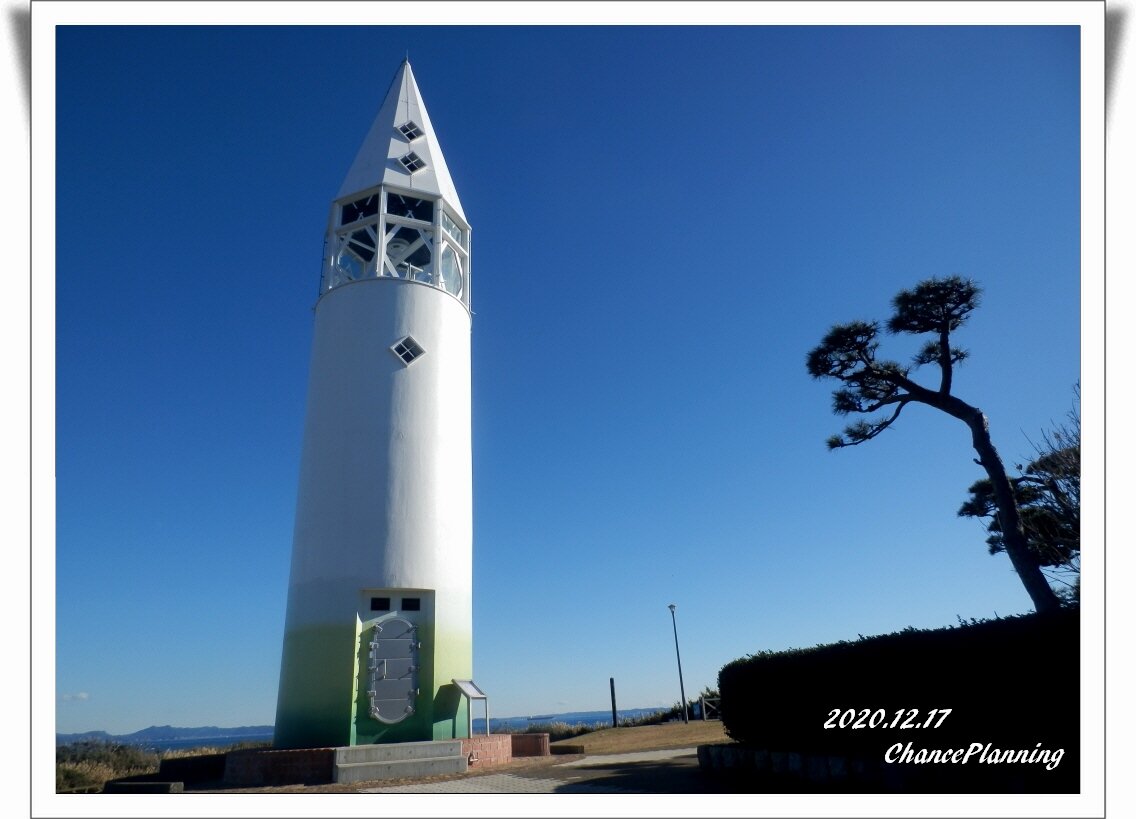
{"x": 647, "y": 737}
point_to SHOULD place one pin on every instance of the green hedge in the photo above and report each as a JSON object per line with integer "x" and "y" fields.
{"x": 1012, "y": 682}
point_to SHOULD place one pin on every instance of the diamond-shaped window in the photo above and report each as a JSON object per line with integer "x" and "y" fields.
{"x": 412, "y": 162}
{"x": 410, "y": 130}
{"x": 407, "y": 349}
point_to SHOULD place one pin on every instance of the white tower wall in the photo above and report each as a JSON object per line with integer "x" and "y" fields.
{"x": 385, "y": 495}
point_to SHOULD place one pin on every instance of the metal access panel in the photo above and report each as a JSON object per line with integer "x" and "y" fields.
{"x": 393, "y": 660}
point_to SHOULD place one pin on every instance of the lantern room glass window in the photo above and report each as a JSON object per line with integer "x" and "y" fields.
{"x": 355, "y": 255}
{"x": 451, "y": 227}
{"x": 409, "y": 253}
{"x": 410, "y": 207}
{"x": 450, "y": 270}
{"x": 360, "y": 209}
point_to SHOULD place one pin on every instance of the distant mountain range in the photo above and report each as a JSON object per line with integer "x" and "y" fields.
{"x": 171, "y": 736}
{"x": 169, "y": 733}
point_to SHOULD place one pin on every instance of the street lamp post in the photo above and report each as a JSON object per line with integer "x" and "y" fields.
{"x": 681, "y": 688}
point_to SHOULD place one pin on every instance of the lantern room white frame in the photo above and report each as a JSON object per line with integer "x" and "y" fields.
{"x": 437, "y": 233}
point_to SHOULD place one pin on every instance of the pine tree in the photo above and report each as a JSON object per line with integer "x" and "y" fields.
{"x": 848, "y": 353}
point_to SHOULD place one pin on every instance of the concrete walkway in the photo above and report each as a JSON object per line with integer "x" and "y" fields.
{"x": 639, "y": 772}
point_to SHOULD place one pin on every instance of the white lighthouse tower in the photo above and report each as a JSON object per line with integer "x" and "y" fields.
{"x": 380, "y": 608}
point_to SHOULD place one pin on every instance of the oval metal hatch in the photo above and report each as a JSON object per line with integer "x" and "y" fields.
{"x": 393, "y": 661}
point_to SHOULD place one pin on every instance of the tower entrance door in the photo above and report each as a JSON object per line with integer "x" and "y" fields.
{"x": 393, "y": 669}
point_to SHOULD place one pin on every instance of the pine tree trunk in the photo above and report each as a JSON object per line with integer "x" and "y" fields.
{"x": 1013, "y": 537}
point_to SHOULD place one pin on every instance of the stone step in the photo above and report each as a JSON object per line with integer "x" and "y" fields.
{"x": 399, "y": 768}
{"x": 396, "y": 751}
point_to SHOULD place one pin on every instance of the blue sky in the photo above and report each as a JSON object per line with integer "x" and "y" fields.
{"x": 665, "y": 221}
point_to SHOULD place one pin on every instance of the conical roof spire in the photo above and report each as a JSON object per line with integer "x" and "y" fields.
{"x": 401, "y": 148}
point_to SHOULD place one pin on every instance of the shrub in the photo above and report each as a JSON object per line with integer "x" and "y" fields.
{"x": 672, "y": 713}
{"x": 1012, "y": 680}
{"x": 655, "y": 718}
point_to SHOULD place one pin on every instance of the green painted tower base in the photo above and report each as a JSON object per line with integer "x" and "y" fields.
{"x": 324, "y": 696}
